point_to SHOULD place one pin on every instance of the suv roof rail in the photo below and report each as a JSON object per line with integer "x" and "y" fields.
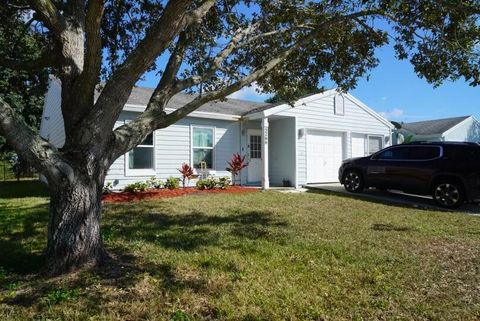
{"x": 420, "y": 142}
{"x": 443, "y": 143}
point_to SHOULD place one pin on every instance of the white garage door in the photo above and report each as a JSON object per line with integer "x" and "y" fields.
{"x": 358, "y": 145}
{"x": 324, "y": 156}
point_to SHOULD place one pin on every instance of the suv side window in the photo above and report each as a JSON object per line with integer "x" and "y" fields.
{"x": 423, "y": 152}
{"x": 394, "y": 153}
{"x": 410, "y": 153}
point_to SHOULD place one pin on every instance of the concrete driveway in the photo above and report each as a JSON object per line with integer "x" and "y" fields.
{"x": 393, "y": 198}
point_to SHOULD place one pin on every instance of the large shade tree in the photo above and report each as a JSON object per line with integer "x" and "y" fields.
{"x": 210, "y": 48}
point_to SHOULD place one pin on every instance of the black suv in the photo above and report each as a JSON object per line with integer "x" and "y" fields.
{"x": 449, "y": 171}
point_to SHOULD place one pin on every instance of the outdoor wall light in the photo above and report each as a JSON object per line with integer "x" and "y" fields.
{"x": 301, "y": 132}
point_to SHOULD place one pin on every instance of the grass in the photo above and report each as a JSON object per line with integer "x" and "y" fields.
{"x": 259, "y": 256}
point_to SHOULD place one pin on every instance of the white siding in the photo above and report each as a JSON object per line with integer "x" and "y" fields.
{"x": 319, "y": 114}
{"x": 281, "y": 151}
{"x": 467, "y": 131}
{"x": 51, "y": 127}
{"x": 172, "y": 148}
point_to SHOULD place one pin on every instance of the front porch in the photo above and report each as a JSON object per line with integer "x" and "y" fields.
{"x": 270, "y": 146}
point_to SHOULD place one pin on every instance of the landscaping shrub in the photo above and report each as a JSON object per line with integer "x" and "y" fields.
{"x": 224, "y": 182}
{"x": 137, "y": 187}
{"x": 172, "y": 183}
{"x": 154, "y": 182}
{"x": 207, "y": 183}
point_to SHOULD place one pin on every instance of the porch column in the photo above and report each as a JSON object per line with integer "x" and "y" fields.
{"x": 265, "y": 179}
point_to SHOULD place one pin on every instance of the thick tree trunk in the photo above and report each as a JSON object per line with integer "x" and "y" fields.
{"x": 74, "y": 238}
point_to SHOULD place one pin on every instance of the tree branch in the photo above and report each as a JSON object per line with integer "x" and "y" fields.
{"x": 93, "y": 53}
{"x": 49, "y": 14}
{"x": 247, "y": 80}
{"x": 240, "y": 40}
{"x": 166, "y": 88}
{"x": 175, "y": 18}
{"x": 218, "y": 60}
{"x": 163, "y": 92}
{"x": 36, "y": 151}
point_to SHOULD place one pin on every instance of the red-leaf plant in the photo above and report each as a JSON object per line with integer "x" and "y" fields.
{"x": 187, "y": 173}
{"x": 236, "y": 164}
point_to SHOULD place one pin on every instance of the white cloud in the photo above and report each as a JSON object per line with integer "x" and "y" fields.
{"x": 250, "y": 93}
{"x": 384, "y": 98}
{"x": 394, "y": 113}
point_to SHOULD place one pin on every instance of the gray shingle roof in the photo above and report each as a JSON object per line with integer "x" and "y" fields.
{"x": 141, "y": 96}
{"x": 433, "y": 127}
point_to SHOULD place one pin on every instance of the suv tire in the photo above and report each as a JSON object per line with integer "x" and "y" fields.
{"x": 353, "y": 181}
{"x": 448, "y": 193}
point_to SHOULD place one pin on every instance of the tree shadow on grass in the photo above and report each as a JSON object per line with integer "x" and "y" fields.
{"x": 23, "y": 238}
{"x": 190, "y": 231}
{"x": 30, "y": 188}
{"x": 123, "y": 271}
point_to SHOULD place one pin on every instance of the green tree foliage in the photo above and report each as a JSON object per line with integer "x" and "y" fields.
{"x": 440, "y": 38}
{"x": 23, "y": 90}
{"x": 290, "y": 98}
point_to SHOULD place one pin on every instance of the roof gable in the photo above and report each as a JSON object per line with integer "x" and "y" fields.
{"x": 433, "y": 127}
{"x": 274, "y": 109}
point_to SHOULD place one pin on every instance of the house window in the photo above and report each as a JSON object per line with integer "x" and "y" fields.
{"x": 339, "y": 105}
{"x": 202, "y": 146}
{"x": 375, "y": 143}
{"x": 255, "y": 146}
{"x": 141, "y": 159}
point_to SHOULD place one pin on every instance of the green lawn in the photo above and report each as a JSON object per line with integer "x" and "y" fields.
{"x": 259, "y": 256}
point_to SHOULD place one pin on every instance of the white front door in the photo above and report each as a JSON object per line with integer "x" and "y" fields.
{"x": 324, "y": 156}
{"x": 254, "y": 169}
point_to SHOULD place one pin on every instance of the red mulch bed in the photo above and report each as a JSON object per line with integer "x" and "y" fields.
{"x": 121, "y": 197}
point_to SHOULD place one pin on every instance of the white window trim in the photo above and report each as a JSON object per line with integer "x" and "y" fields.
{"x": 382, "y": 144}
{"x": 213, "y": 148}
{"x": 143, "y": 171}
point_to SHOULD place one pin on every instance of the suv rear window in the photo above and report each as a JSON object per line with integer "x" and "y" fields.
{"x": 410, "y": 153}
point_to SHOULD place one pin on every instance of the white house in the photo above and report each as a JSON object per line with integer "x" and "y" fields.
{"x": 299, "y": 144}
{"x": 459, "y": 129}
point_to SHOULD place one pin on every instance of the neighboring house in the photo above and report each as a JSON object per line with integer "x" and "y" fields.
{"x": 300, "y": 144}
{"x": 460, "y": 129}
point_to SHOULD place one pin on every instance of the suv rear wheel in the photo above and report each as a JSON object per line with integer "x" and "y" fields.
{"x": 448, "y": 193}
{"x": 353, "y": 181}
